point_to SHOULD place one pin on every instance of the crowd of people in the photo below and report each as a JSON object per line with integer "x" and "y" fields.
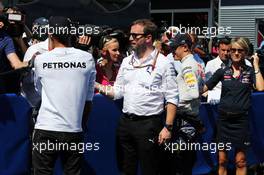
{"x": 162, "y": 79}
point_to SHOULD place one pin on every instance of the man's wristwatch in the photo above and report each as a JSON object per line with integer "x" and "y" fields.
{"x": 168, "y": 127}
{"x": 256, "y": 71}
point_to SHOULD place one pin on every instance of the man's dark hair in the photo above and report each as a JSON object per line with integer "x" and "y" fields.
{"x": 63, "y": 39}
{"x": 149, "y": 27}
{"x": 58, "y": 24}
{"x": 225, "y": 41}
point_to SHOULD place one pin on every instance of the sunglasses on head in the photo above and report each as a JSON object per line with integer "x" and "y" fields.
{"x": 107, "y": 39}
{"x": 104, "y": 40}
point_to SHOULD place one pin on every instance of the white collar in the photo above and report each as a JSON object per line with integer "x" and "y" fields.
{"x": 150, "y": 57}
{"x": 186, "y": 57}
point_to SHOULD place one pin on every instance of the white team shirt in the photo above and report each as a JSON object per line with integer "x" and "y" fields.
{"x": 145, "y": 89}
{"x": 200, "y": 63}
{"x": 65, "y": 77}
{"x": 40, "y": 47}
{"x": 28, "y": 90}
{"x": 189, "y": 80}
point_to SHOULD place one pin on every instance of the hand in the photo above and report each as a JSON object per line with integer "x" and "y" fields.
{"x": 164, "y": 135}
{"x": 255, "y": 61}
{"x": 1, "y": 24}
{"x": 103, "y": 63}
{"x": 205, "y": 94}
{"x": 32, "y": 60}
{"x": 97, "y": 86}
{"x": 85, "y": 40}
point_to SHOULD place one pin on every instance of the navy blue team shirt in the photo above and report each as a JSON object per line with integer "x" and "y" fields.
{"x": 236, "y": 91}
{"x": 6, "y": 47}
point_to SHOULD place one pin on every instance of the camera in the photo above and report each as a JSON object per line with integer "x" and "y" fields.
{"x": 15, "y": 21}
{"x": 16, "y": 17}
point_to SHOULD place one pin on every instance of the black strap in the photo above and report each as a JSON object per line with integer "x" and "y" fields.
{"x": 20, "y": 70}
{"x": 23, "y": 69}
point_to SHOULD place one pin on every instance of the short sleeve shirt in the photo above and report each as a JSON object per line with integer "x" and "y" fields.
{"x": 7, "y": 83}
{"x": 65, "y": 77}
{"x": 6, "y": 47}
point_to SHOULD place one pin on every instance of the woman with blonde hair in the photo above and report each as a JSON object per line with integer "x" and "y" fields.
{"x": 107, "y": 67}
{"x": 238, "y": 81}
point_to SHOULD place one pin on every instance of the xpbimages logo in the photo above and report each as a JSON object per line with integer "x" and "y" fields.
{"x": 72, "y": 30}
{"x": 60, "y": 146}
{"x": 212, "y": 147}
{"x": 206, "y": 31}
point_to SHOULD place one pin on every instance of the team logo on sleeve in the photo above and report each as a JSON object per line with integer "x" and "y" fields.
{"x": 190, "y": 79}
{"x": 246, "y": 78}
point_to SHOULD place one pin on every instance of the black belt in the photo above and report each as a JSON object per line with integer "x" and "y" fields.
{"x": 135, "y": 117}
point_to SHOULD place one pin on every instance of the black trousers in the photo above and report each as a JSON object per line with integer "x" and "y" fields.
{"x": 49, "y": 145}
{"x": 137, "y": 144}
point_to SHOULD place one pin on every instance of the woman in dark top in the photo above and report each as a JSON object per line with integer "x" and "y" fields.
{"x": 238, "y": 80}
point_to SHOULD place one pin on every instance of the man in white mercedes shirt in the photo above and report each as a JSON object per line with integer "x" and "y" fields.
{"x": 146, "y": 80}
{"x": 65, "y": 78}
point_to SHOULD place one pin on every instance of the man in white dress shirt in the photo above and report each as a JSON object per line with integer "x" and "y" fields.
{"x": 146, "y": 80}
{"x": 211, "y": 67}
